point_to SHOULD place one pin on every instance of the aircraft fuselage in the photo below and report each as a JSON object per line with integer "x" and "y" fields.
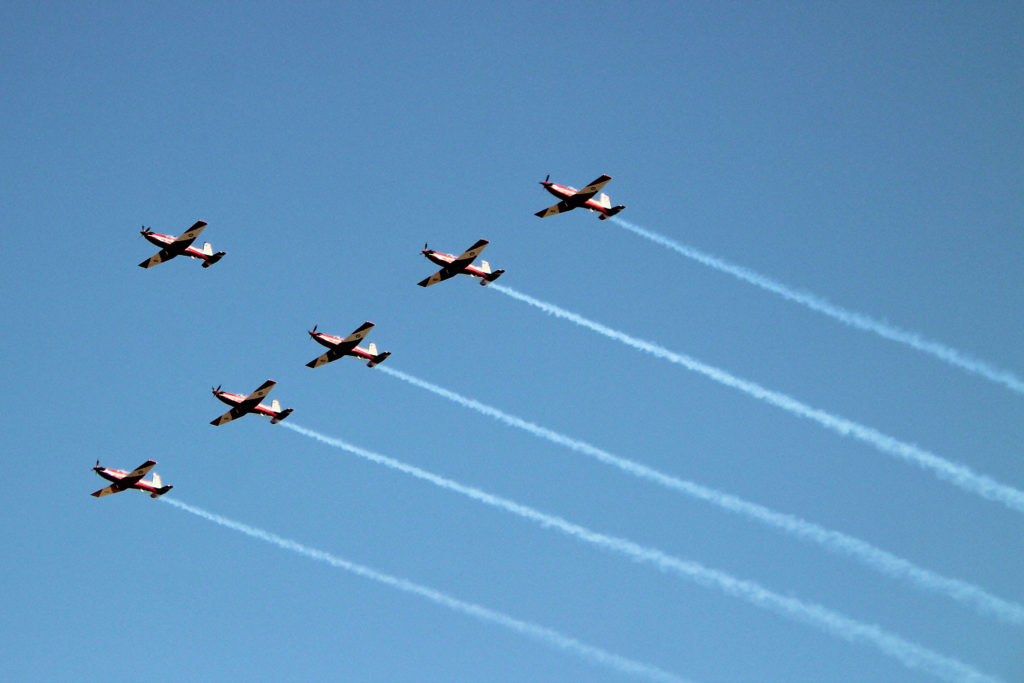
{"x": 116, "y": 476}
{"x": 330, "y": 341}
{"x": 566, "y": 194}
{"x": 445, "y": 260}
{"x": 163, "y": 241}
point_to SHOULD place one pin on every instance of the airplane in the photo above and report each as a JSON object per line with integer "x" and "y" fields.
{"x": 250, "y": 404}
{"x": 179, "y": 246}
{"x": 346, "y": 347}
{"x": 131, "y": 480}
{"x": 452, "y": 265}
{"x": 571, "y": 198}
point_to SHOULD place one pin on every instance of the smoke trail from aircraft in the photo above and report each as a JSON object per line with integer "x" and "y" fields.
{"x": 835, "y": 541}
{"x": 910, "y": 654}
{"x": 546, "y": 635}
{"x": 955, "y": 473}
{"x": 943, "y": 352}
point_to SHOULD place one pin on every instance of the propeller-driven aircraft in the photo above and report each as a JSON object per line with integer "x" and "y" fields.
{"x": 250, "y": 404}
{"x": 180, "y": 246}
{"x": 346, "y": 347}
{"x": 571, "y": 198}
{"x": 131, "y": 480}
{"x": 452, "y": 265}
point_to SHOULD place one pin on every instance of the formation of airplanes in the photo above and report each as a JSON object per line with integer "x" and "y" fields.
{"x": 337, "y": 347}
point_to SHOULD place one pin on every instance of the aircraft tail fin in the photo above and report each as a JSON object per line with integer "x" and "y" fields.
{"x": 275, "y": 405}
{"x": 161, "y": 491}
{"x": 213, "y": 258}
{"x": 378, "y": 358}
{"x": 156, "y": 481}
{"x": 604, "y": 201}
{"x": 372, "y": 349}
{"x": 280, "y": 416}
{"x": 491, "y": 277}
{"x": 208, "y": 249}
{"x": 485, "y": 266}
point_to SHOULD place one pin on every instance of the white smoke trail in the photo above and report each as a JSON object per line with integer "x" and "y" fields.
{"x": 909, "y": 654}
{"x": 862, "y": 551}
{"x": 859, "y": 321}
{"x": 957, "y": 474}
{"x": 546, "y": 635}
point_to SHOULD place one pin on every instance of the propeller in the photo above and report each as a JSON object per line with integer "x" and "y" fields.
{"x": 216, "y": 390}
{"x": 314, "y": 329}
{"x": 547, "y": 178}
{"x": 97, "y": 463}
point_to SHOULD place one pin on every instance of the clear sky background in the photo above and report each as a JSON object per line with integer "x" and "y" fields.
{"x": 869, "y": 153}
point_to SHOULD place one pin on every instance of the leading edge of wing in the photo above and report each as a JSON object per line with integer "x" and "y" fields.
{"x": 106, "y": 491}
{"x": 158, "y": 258}
{"x": 261, "y": 392}
{"x": 358, "y": 335}
{"x": 139, "y": 472}
{"x": 189, "y": 236}
{"x": 232, "y": 414}
{"x": 581, "y": 197}
{"x": 439, "y": 276}
{"x": 560, "y": 207}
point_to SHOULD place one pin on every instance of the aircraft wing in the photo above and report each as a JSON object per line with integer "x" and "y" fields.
{"x": 439, "y": 276}
{"x": 332, "y": 355}
{"x": 107, "y": 491}
{"x": 159, "y": 257}
{"x": 591, "y": 189}
{"x": 468, "y": 256}
{"x": 138, "y": 473}
{"x": 189, "y": 236}
{"x": 258, "y": 395}
{"x": 358, "y": 335}
{"x": 560, "y": 207}
{"x": 232, "y": 414}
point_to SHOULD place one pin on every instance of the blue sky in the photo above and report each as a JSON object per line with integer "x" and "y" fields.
{"x": 868, "y": 153}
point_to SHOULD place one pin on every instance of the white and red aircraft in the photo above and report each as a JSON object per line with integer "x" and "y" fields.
{"x": 131, "y": 480}
{"x": 452, "y": 265}
{"x": 346, "y": 347}
{"x": 250, "y": 404}
{"x": 571, "y": 198}
{"x": 179, "y": 246}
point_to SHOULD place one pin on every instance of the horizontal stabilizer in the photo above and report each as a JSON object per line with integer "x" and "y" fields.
{"x": 280, "y": 416}
{"x": 213, "y": 259}
{"x": 491, "y": 277}
{"x": 378, "y": 358}
{"x": 160, "y": 492}
{"x": 611, "y": 212}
